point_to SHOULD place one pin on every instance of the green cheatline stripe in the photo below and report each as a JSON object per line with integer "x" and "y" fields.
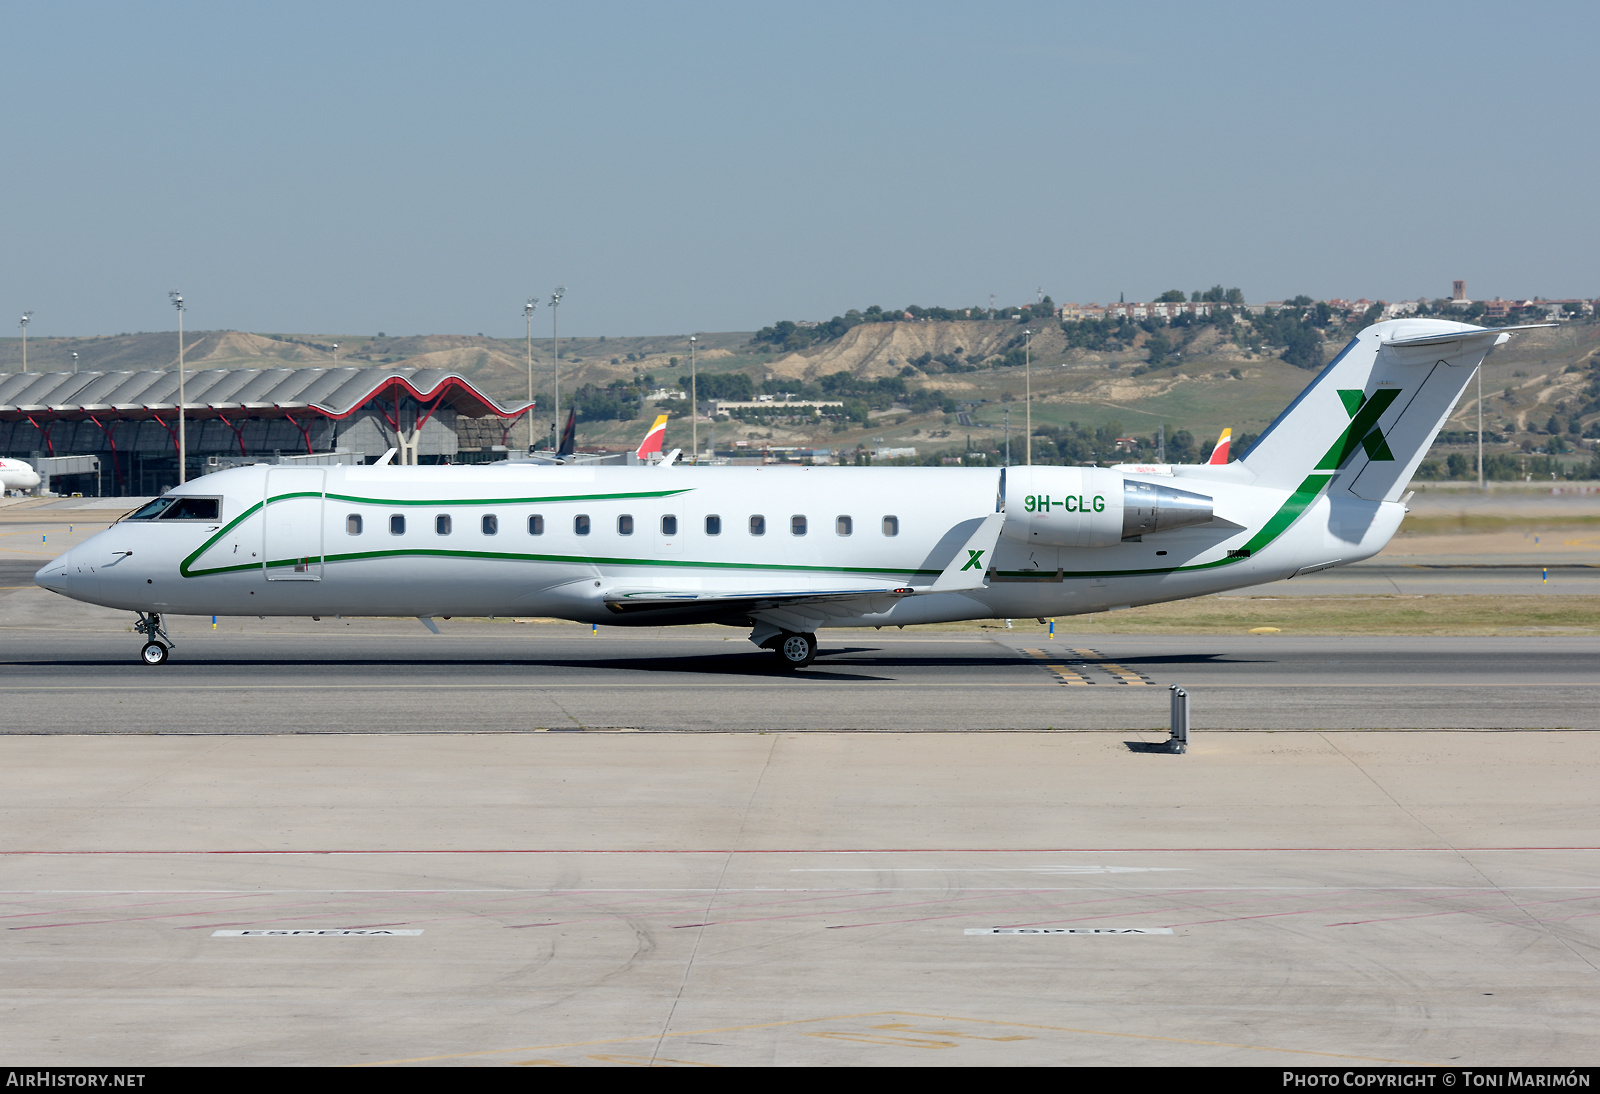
{"x": 1287, "y": 514}
{"x": 480, "y": 501}
{"x": 1303, "y": 495}
{"x": 185, "y": 570}
{"x": 585, "y": 560}
{"x": 1359, "y": 427}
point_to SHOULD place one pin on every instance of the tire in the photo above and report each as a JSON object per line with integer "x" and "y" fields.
{"x": 796, "y": 651}
{"x": 154, "y": 653}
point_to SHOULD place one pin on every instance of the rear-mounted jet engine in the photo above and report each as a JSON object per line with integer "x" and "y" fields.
{"x": 1092, "y": 506}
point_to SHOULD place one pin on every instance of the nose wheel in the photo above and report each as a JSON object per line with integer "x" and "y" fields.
{"x": 155, "y": 650}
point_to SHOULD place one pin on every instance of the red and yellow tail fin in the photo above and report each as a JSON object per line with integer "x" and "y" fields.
{"x": 1219, "y": 454}
{"x": 652, "y": 440}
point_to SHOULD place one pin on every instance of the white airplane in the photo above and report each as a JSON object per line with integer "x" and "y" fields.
{"x": 785, "y": 550}
{"x": 17, "y": 475}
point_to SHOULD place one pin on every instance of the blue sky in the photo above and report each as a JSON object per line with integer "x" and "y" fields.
{"x": 411, "y": 168}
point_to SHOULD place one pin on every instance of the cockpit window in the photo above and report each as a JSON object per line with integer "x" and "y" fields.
{"x": 151, "y": 511}
{"x": 194, "y": 509}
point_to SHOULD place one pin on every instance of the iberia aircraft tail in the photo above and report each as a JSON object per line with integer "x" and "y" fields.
{"x": 1219, "y": 454}
{"x": 652, "y": 440}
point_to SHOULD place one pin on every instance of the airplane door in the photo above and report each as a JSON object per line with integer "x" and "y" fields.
{"x": 292, "y": 524}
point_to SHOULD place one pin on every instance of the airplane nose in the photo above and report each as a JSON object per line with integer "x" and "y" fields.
{"x": 52, "y": 574}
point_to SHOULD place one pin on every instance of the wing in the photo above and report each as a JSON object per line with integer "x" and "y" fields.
{"x": 710, "y": 604}
{"x": 965, "y": 572}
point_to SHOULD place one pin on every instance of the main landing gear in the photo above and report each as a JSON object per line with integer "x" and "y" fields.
{"x": 795, "y": 651}
{"x": 155, "y": 650}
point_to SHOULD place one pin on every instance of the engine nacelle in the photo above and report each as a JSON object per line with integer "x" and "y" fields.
{"x": 1091, "y": 506}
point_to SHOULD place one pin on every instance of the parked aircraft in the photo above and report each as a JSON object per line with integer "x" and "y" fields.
{"x": 17, "y": 475}
{"x": 1219, "y": 454}
{"x": 651, "y": 445}
{"x": 787, "y": 550}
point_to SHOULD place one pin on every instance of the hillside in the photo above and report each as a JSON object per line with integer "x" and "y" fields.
{"x": 1208, "y": 382}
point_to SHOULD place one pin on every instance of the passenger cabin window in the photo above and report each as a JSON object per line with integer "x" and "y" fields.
{"x": 797, "y": 525}
{"x": 397, "y": 525}
{"x": 842, "y": 525}
{"x": 193, "y": 509}
{"x": 758, "y": 525}
{"x": 713, "y": 525}
{"x": 669, "y": 525}
{"x": 535, "y": 525}
{"x": 441, "y": 524}
{"x": 580, "y": 524}
{"x": 891, "y": 526}
{"x": 352, "y": 524}
{"x": 491, "y": 524}
{"x": 625, "y": 525}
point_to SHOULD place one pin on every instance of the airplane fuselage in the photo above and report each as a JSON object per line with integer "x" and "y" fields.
{"x": 560, "y": 541}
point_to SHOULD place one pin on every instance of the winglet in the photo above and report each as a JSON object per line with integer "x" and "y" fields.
{"x": 967, "y": 569}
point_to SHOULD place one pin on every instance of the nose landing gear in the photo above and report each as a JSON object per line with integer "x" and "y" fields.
{"x": 155, "y": 650}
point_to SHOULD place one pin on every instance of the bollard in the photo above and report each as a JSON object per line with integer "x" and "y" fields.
{"x": 1179, "y": 741}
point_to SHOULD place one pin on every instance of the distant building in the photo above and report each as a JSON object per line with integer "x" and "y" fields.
{"x": 352, "y": 415}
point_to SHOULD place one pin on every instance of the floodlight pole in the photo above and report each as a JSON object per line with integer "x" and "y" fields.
{"x": 1027, "y": 373}
{"x": 555, "y": 340}
{"x": 694, "y": 404}
{"x": 25, "y": 317}
{"x": 183, "y": 447}
{"x": 527, "y": 313}
{"x": 336, "y": 355}
{"x": 1480, "y": 425}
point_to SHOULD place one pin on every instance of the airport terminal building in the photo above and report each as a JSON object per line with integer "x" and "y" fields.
{"x": 126, "y": 422}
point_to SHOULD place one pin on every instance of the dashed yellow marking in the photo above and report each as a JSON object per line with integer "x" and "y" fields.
{"x": 1119, "y": 673}
{"x": 1065, "y": 673}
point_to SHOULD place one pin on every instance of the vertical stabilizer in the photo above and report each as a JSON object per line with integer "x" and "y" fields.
{"x": 1366, "y": 421}
{"x": 651, "y": 445}
{"x": 1219, "y": 454}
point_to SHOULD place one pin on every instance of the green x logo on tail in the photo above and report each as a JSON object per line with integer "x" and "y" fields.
{"x": 974, "y": 560}
{"x": 1362, "y": 432}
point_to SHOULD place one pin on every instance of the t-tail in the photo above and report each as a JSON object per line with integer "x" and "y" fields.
{"x": 1363, "y": 425}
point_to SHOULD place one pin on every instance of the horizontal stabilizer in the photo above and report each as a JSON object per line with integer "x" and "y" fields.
{"x": 1462, "y": 335}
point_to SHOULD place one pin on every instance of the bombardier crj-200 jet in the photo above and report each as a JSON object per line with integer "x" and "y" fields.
{"x": 787, "y": 550}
